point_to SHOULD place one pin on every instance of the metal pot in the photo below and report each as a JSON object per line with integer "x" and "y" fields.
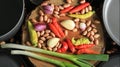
{"x": 8, "y": 60}
{"x": 11, "y": 17}
{"x": 114, "y": 61}
{"x": 111, "y": 19}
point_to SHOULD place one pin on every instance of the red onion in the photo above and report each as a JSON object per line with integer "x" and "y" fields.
{"x": 48, "y": 12}
{"x": 48, "y": 9}
{"x": 40, "y": 27}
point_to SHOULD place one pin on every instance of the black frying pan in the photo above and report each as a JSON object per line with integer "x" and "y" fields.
{"x": 11, "y": 17}
{"x": 8, "y": 60}
{"x": 114, "y": 61}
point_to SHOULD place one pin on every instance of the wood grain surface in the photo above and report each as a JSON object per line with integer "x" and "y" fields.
{"x": 38, "y": 63}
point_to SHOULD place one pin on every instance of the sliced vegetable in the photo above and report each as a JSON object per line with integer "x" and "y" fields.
{"x": 74, "y": 58}
{"x": 55, "y": 23}
{"x": 32, "y": 33}
{"x": 66, "y": 9}
{"x": 84, "y": 46}
{"x": 52, "y": 27}
{"x": 68, "y": 24}
{"x": 83, "y": 16}
{"x": 83, "y": 26}
{"x": 40, "y": 27}
{"x": 80, "y": 41}
{"x": 53, "y": 61}
{"x": 52, "y": 42}
{"x": 70, "y": 45}
{"x": 79, "y": 7}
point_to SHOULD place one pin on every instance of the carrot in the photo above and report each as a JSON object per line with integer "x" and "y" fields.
{"x": 79, "y": 7}
{"x": 66, "y": 9}
{"x": 70, "y": 45}
{"x": 84, "y": 46}
{"x": 54, "y": 30}
{"x": 86, "y": 51}
{"x": 57, "y": 26}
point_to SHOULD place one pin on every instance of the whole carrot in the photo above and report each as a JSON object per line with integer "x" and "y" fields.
{"x": 84, "y": 46}
{"x": 66, "y": 9}
{"x": 70, "y": 45}
{"x": 86, "y": 51}
{"x": 57, "y": 26}
{"x": 79, "y": 7}
{"x": 52, "y": 27}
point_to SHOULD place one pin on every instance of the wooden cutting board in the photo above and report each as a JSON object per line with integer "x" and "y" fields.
{"x": 38, "y": 63}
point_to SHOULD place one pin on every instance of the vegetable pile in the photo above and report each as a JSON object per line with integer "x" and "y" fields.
{"x": 52, "y": 30}
{"x": 64, "y": 29}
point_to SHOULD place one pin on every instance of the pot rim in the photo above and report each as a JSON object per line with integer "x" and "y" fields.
{"x": 105, "y": 19}
{"x": 5, "y": 36}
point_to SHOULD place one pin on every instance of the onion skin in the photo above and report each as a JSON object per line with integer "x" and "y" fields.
{"x": 39, "y": 27}
{"x": 48, "y": 9}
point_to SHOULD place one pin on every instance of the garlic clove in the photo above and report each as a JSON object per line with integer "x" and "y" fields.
{"x": 68, "y": 24}
{"x": 52, "y": 42}
{"x": 82, "y": 26}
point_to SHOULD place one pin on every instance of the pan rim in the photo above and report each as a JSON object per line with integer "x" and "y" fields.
{"x": 10, "y": 33}
{"x": 105, "y": 10}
